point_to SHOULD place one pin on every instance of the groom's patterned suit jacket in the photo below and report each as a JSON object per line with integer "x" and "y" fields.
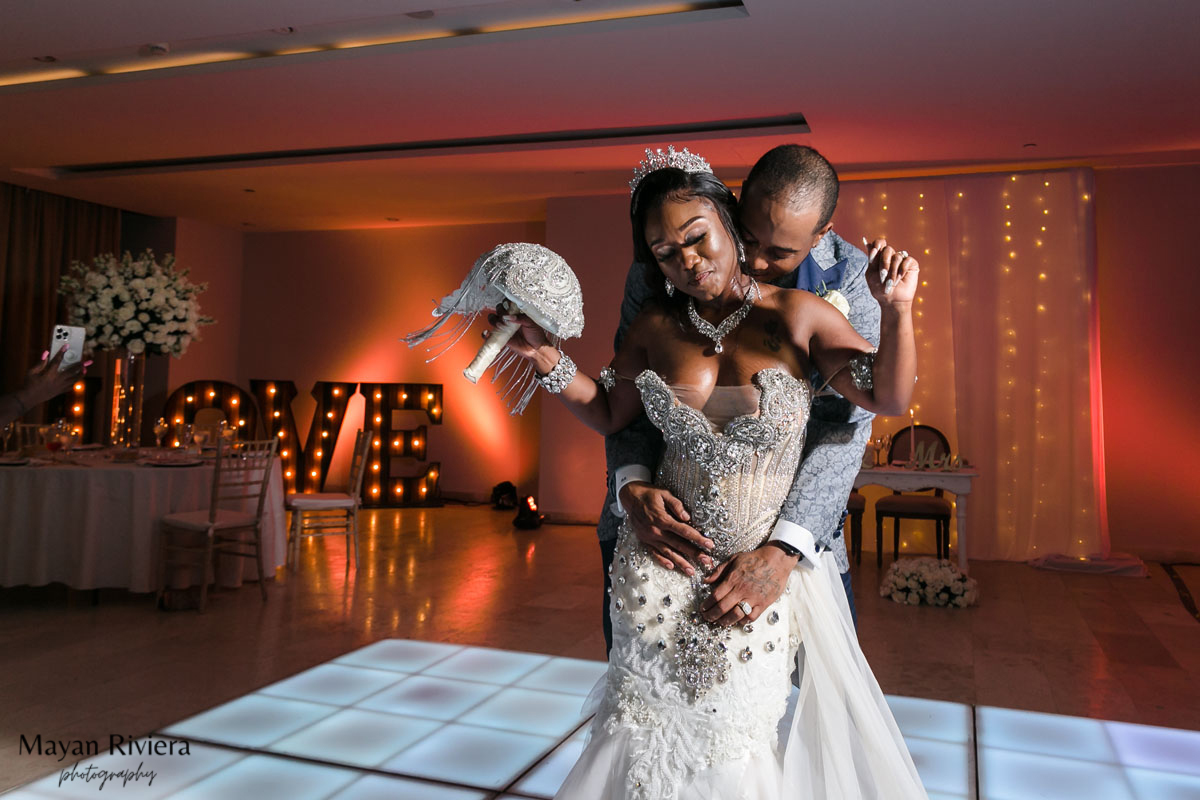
{"x": 838, "y": 431}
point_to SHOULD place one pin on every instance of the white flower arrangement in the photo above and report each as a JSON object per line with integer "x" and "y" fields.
{"x": 136, "y": 303}
{"x": 913, "y": 581}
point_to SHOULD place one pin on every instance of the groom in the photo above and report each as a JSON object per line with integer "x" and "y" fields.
{"x": 785, "y": 215}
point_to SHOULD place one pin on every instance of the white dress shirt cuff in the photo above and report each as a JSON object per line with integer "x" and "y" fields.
{"x": 628, "y": 474}
{"x": 798, "y": 537}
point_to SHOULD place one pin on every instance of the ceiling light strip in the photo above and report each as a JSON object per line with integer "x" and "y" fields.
{"x": 196, "y": 59}
{"x": 791, "y": 124}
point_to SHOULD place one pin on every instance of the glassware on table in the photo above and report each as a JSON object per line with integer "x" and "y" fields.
{"x": 161, "y": 429}
{"x": 185, "y": 436}
{"x": 10, "y": 432}
{"x": 200, "y": 437}
{"x": 68, "y": 437}
{"x": 51, "y": 436}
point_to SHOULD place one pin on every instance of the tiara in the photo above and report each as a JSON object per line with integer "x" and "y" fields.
{"x": 657, "y": 159}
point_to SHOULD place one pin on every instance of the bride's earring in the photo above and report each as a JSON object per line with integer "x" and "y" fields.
{"x": 670, "y": 289}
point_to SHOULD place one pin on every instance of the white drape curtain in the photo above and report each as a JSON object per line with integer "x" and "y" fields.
{"x": 1009, "y": 366}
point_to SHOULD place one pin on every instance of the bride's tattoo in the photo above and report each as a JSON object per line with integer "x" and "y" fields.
{"x": 774, "y": 340}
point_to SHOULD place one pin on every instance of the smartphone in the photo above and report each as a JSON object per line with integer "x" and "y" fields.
{"x": 73, "y": 337}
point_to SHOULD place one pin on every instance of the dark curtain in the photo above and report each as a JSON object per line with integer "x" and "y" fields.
{"x": 40, "y": 233}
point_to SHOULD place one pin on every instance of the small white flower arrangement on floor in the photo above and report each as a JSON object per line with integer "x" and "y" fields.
{"x": 913, "y": 581}
{"x": 136, "y": 303}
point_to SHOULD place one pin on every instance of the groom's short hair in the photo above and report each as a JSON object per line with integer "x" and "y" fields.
{"x": 797, "y": 175}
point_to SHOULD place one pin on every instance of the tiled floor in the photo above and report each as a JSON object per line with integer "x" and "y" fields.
{"x": 1096, "y": 647}
{"x": 431, "y": 721}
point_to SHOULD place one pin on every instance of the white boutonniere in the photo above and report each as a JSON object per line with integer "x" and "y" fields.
{"x": 835, "y": 299}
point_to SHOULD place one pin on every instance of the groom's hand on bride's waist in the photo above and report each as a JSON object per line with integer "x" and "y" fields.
{"x": 756, "y": 577}
{"x": 659, "y": 520}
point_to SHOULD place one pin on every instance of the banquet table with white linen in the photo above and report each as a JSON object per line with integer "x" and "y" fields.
{"x": 94, "y": 524}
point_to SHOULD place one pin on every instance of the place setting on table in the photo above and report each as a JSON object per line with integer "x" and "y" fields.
{"x": 58, "y": 445}
{"x": 96, "y": 509}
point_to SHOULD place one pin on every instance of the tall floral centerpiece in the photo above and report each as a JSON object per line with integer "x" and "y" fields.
{"x": 132, "y": 307}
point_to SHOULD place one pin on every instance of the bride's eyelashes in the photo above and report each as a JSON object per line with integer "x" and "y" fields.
{"x": 667, "y": 254}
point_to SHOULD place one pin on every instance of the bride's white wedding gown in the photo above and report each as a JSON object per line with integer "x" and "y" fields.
{"x": 689, "y": 710}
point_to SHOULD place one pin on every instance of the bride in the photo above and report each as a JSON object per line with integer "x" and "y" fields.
{"x": 695, "y": 703}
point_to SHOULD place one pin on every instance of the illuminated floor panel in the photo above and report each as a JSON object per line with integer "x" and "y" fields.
{"x": 430, "y": 721}
{"x": 435, "y": 698}
{"x": 334, "y": 684}
{"x": 489, "y": 759}
{"x": 355, "y": 737}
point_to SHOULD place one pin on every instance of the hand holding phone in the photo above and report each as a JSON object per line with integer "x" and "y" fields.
{"x": 71, "y": 337}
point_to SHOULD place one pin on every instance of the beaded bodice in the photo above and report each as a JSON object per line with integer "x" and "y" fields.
{"x": 733, "y": 481}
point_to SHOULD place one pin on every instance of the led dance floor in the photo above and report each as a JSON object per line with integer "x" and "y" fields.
{"x": 410, "y": 720}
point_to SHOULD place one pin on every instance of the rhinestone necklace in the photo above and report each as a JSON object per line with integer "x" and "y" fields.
{"x": 719, "y": 332}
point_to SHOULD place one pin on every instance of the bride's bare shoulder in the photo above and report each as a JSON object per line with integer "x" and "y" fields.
{"x": 653, "y": 319}
{"x": 788, "y": 299}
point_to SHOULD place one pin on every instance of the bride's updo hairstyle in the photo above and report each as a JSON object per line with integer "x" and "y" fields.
{"x": 671, "y": 183}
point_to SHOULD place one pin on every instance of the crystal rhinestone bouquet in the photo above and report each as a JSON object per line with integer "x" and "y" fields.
{"x": 928, "y": 580}
{"x": 138, "y": 303}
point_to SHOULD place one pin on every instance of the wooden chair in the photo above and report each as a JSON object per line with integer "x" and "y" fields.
{"x": 899, "y": 506}
{"x": 240, "y": 476}
{"x": 331, "y": 513}
{"x": 856, "y": 504}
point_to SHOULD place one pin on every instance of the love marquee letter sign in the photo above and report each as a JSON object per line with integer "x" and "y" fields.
{"x": 398, "y": 472}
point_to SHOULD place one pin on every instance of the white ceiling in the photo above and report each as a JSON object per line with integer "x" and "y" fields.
{"x": 883, "y": 84}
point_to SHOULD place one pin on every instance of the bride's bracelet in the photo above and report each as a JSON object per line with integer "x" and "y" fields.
{"x": 862, "y": 371}
{"x": 558, "y": 378}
